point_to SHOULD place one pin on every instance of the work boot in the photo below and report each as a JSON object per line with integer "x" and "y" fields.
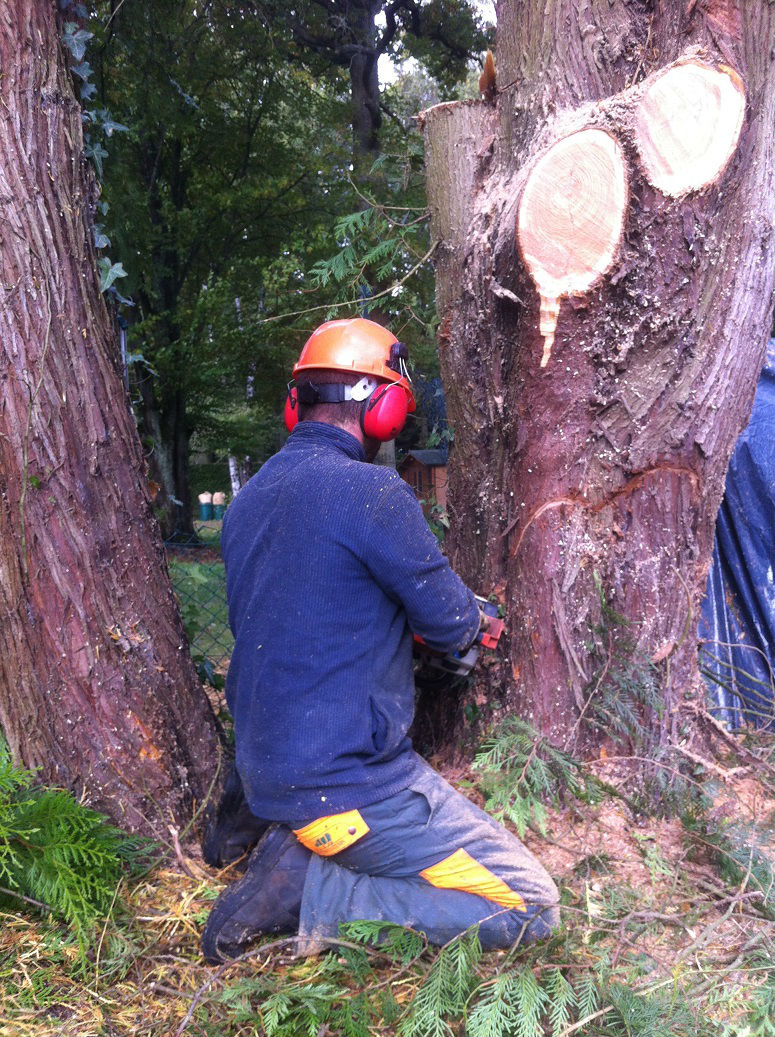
{"x": 233, "y": 830}
{"x": 267, "y": 899}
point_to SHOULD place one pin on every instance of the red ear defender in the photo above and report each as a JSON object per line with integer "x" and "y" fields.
{"x": 384, "y": 413}
{"x": 291, "y": 413}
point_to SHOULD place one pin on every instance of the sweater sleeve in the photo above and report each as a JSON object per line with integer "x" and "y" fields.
{"x": 404, "y": 558}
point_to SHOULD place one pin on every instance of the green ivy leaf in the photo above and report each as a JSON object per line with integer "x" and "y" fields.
{"x": 109, "y": 272}
{"x": 101, "y": 240}
{"x": 75, "y": 39}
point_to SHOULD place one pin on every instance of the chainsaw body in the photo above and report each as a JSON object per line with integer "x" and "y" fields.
{"x": 436, "y": 668}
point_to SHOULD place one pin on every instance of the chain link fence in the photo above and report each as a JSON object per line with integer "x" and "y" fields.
{"x": 199, "y": 579}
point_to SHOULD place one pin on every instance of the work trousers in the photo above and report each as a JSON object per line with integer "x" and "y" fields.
{"x": 435, "y": 862}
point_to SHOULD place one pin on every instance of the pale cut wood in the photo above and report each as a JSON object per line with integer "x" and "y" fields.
{"x": 457, "y": 140}
{"x": 687, "y": 125}
{"x": 570, "y": 219}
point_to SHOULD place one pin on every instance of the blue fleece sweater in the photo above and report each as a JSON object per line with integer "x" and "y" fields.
{"x": 329, "y": 567}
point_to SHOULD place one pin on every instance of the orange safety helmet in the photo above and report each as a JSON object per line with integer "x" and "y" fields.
{"x": 356, "y": 346}
{"x": 360, "y": 346}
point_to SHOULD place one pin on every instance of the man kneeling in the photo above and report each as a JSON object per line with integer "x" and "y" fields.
{"x": 330, "y": 569}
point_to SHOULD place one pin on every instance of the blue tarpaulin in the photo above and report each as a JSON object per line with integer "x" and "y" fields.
{"x": 737, "y": 623}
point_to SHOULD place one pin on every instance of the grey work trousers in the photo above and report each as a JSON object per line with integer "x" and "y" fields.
{"x": 378, "y": 877}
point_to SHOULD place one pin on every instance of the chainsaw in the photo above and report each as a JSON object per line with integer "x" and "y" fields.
{"x": 432, "y": 669}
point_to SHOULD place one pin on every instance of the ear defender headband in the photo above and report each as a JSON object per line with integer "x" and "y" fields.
{"x": 384, "y": 410}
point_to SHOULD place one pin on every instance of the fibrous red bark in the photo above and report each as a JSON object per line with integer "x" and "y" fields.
{"x": 97, "y": 689}
{"x": 602, "y": 472}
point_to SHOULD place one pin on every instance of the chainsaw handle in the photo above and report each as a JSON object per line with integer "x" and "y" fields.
{"x": 490, "y": 635}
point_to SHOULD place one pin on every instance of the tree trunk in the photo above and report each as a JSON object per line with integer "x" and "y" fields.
{"x": 597, "y": 477}
{"x": 364, "y": 91}
{"x": 97, "y": 689}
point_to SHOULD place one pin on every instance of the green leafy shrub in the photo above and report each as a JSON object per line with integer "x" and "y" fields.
{"x": 57, "y": 854}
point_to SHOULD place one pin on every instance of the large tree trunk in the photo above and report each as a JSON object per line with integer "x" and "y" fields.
{"x": 364, "y": 90}
{"x": 600, "y": 473}
{"x": 163, "y": 411}
{"x": 97, "y": 689}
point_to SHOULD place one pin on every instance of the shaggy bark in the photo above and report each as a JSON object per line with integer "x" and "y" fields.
{"x": 604, "y": 469}
{"x": 97, "y": 689}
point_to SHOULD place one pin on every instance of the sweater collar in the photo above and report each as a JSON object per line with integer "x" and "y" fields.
{"x": 318, "y": 433}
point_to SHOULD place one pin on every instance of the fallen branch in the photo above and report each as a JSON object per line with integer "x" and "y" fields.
{"x": 705, "y": 717}
{"x": 707, "y": 932}
{"x": 723, "y": 773}
{"x": 184, "y": 867}
{"x": 27, "y": 900}
{"x": 262, "y": 949}
{"x": 638, "y": 992}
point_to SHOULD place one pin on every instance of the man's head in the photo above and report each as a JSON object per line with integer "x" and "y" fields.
{"x": 353, "y": 374}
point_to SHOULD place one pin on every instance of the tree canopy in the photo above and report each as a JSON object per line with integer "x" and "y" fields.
{"x": 228, "y": 197}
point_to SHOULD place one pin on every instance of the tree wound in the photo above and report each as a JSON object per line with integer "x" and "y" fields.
{"x": 570, "y": 220}
{"x": 687, "y": 125}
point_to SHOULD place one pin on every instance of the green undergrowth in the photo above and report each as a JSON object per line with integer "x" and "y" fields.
{"x": 667, "y": 925}
{"x": 522, "y": 773}
{"x": 665, "y": 862}
{"x": 56, "y": 855}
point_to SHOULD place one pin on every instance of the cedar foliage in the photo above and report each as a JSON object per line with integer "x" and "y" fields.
{"x": 522, "y": 772}
{"x": 56, "y": 851}
{"x": 384, "y": 979}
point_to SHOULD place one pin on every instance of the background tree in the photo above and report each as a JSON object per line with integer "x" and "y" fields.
{"x": 591, "y": 484}
{"x": 217, "y": 187}
{"x": 444, "y": 35}
{"x": 97, "y": 689}
{"x": 227, "y": 187}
